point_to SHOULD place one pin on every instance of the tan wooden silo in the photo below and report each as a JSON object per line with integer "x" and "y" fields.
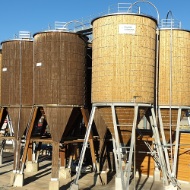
{"x": 180, "y": 67}
{"x": 123, "y": 63}
{"x": 123, "y": 71}
{"x": 183, "y": 170}
{"x": 174, "y": 71}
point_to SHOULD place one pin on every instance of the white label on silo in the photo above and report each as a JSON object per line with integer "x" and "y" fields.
{"x": 4, "y": 69}
{"x": 38, "y": 64}
{"x": 127, "y": 29}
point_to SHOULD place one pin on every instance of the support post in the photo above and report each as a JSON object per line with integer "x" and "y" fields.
{"x": 128, "y": 166}
{"x": 74, "y": 185}
{"x": 164, "y": 141}
{"x": 159, "y": 147}
{"x": 28, "y": 136}
{"x": 85, "y": 115}
{"x": 176, "y": 144}
{"x": 54, "y": 183}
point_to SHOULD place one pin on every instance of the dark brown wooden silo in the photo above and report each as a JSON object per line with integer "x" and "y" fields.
{"x": 17, "y": 81}
{"x": 17, "y": 87}
{"x": 59, "y": 81}
{"x": 59, "y": 69}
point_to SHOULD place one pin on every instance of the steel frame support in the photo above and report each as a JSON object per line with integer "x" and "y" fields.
{"x": 176, "y": 144}
{"x": 74, "y": 185}
{"x": 159, "y": 147}
{"x": 124, "y": 175}
{"x": 164, "y": 141}
{"x": 133, "y": 135}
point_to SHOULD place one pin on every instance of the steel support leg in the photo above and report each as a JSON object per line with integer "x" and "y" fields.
{"x": 74, "y": 185}
{"x": 117, "y": 152}
{"x": 159, "y": 147}
{"x": 176, "y": 144}
{"x": 164, "y": 141}
{"x": 133, "y": 136}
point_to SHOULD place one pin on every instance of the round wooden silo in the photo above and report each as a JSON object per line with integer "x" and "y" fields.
{"x": 174, "y": 70}
{"x": 123, "y": 65}
{"x": 17, "y": 81}
{"x": 59, "y": 76}
{"x": 123, "y": 58}
{"x": 59, "y": 69}
{"x": 178, "y": 48}
{"x": 123, "y": 68}
{"x": 59, "y": 82}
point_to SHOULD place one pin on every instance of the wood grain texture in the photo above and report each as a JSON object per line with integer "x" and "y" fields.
{"x": 17, "y": 81}
{"x": 175, "y": 44}
{"x": 183, "y": 172}
{"x": 61, "y": 77}
{"x": 123, "y": 64}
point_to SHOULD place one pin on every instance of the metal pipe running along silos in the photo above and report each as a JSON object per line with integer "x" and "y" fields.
{"x": 123, "y": 65}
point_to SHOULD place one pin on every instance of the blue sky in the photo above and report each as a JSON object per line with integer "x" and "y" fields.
{"x": 36, "y": 15}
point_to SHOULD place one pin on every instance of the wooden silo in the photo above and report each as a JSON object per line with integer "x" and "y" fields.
{"x": 123, "y": 60}
{"x": 17, "y": 81}
{"x": 174, "y": 70}
{"x": 179, "y": 49}
{"x": 59, "y": 82}
{"x": 123, "y": 71}
{"x": 17, "y": 87}
{"x": 59, "y": 76}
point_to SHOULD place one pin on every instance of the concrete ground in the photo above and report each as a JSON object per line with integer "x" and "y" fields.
{"x": 40, "y": 180}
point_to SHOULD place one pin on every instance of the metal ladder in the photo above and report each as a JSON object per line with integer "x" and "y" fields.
{"x": 155, "y": 156}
